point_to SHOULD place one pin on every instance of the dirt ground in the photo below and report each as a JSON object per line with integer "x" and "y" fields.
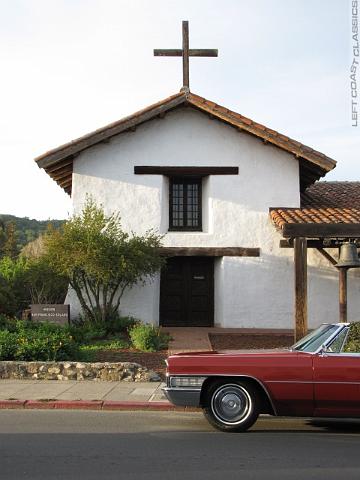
{"x": 153, "y": 361}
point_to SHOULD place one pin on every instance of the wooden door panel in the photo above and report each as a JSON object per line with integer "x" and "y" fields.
{"x": 199, "y": 303}
{"x": 173, "y": 302}
{"x": 174, "y": 287}
{"x": 199, "y": 319}
{"x": 187, "y": 292}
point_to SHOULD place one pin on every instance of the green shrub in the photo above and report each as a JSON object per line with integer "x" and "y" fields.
{"x": 37, "y": 342}
{"x": 7, "y": 323}
{"x": 85, "y": 354}
{"x": 8, "y": 343}
{"x": 120, "y": 324}
{"x": 14, "y": 293}
{"x": 8, "y": 304}
{"x": 24, "y": 281}
{"x": 86, "y": 331}
{"x": 148, "y": 338}
{"x": 88, "y": 353}
{"x": 43, "y": 284}
{"x": 114, "y": 344}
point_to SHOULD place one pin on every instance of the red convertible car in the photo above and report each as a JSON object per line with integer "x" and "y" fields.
{"x": 315, "y": 377}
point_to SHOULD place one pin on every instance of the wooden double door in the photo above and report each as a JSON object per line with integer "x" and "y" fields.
{"x": 187, "y": 292}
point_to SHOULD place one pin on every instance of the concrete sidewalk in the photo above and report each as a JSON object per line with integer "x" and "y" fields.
{"x": 83, "y": 395}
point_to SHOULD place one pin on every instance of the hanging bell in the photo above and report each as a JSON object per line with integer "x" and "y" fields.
{"x": 348, "y": 256}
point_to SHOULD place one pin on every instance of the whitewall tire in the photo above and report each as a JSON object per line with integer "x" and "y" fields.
{"x": 231, "y": 406}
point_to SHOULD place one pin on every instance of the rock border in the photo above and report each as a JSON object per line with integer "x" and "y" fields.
{"x": 63, "y": 371}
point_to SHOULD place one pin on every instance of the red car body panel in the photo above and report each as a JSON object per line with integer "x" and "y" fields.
{"x": 337, "y": 385}
{"x": 297, "y": 383}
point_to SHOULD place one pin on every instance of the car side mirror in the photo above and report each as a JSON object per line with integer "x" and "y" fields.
{"x": 323, "y": 350}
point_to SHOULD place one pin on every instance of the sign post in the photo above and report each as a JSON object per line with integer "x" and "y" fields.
{"x": 52, "y": 313}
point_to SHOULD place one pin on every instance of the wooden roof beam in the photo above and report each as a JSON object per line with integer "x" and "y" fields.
{"x": 66, "y": 171}
{"x": 59, "y": 165}
{"x": 321, "y": 230}
{"x": 209, "y": 252}
{"x": 65, "y": 183}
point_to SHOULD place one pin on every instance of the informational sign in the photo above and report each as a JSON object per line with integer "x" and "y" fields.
{"x": 50, "y": 313}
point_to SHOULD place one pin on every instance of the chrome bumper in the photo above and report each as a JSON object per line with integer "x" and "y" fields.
{"x": 183, "y": 397}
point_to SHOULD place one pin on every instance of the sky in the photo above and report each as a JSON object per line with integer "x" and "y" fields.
{"x": 72, "y": 66}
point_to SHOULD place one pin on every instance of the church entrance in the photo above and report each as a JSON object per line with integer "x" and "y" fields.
{"x": 187, "y": 292}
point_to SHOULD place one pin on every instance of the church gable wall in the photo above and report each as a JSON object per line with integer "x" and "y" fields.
{"x": 248, "y": 292}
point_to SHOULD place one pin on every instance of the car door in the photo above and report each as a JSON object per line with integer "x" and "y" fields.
{"x": 336, "y": 384}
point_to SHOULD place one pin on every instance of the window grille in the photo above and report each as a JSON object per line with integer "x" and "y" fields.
{"x": 185, "y": 204}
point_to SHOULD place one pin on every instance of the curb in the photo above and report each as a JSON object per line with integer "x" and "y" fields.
{"x": 106, "y": 405}
{"x": 12, "y": 404}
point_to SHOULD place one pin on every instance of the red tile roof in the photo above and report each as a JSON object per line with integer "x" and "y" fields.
{"x": 58, "y": 162}
{"x": 332, "y": 194}
{"x": 324, "y": 203}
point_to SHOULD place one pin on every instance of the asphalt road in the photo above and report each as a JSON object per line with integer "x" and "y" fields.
{"x": 70, "y": 445}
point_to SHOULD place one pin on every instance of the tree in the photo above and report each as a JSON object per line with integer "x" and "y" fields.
{"x": 8, "y": 304}
{"x": 34, "y": 248}
{"x": 43, "y": 283}
{"x": 9, "y": 244}
{"x": 14, "y": 293}
{"x": 2, "y": 236}
{"x": 100, "y": 260}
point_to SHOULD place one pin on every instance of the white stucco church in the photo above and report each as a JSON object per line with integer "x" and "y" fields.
{"x": 230, "y": 196}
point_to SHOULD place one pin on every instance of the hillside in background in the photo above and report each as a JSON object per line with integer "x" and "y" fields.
{"x": 28, "y": 229}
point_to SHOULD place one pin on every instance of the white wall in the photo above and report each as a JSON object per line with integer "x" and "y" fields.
{"x": 249, "y": 292}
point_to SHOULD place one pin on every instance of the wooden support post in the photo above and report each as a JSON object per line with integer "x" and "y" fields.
{"x": 343, "y": 294}
{"x": 300, "y": 262}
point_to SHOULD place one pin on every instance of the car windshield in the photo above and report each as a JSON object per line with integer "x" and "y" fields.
{"x": 313, "y": 341}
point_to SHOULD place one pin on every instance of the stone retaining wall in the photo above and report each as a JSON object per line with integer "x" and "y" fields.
{"x": 126, "y": 371}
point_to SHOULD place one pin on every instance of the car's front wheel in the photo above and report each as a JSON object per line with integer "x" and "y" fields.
{"x": 231, "y": 406}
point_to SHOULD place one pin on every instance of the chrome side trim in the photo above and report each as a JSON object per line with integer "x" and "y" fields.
{"x": 181, "y": 389}
{"x": 342, "y": 354}
{"x": 313, "y": 382}
{"x": 291, "y": 381}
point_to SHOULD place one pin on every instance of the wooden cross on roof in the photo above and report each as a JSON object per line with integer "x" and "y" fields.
{"x": 185, "y": 53}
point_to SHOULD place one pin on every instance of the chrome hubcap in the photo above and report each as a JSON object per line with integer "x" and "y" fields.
{"x": 231, "y": 404}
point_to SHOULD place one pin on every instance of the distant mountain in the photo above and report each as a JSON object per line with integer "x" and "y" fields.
{"x": 28, "y": 229}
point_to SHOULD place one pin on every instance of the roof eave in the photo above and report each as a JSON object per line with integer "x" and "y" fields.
{"x": 313, "y": 164}
{"x": 102, "y": 134}
{"x": 323, "y": 162}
